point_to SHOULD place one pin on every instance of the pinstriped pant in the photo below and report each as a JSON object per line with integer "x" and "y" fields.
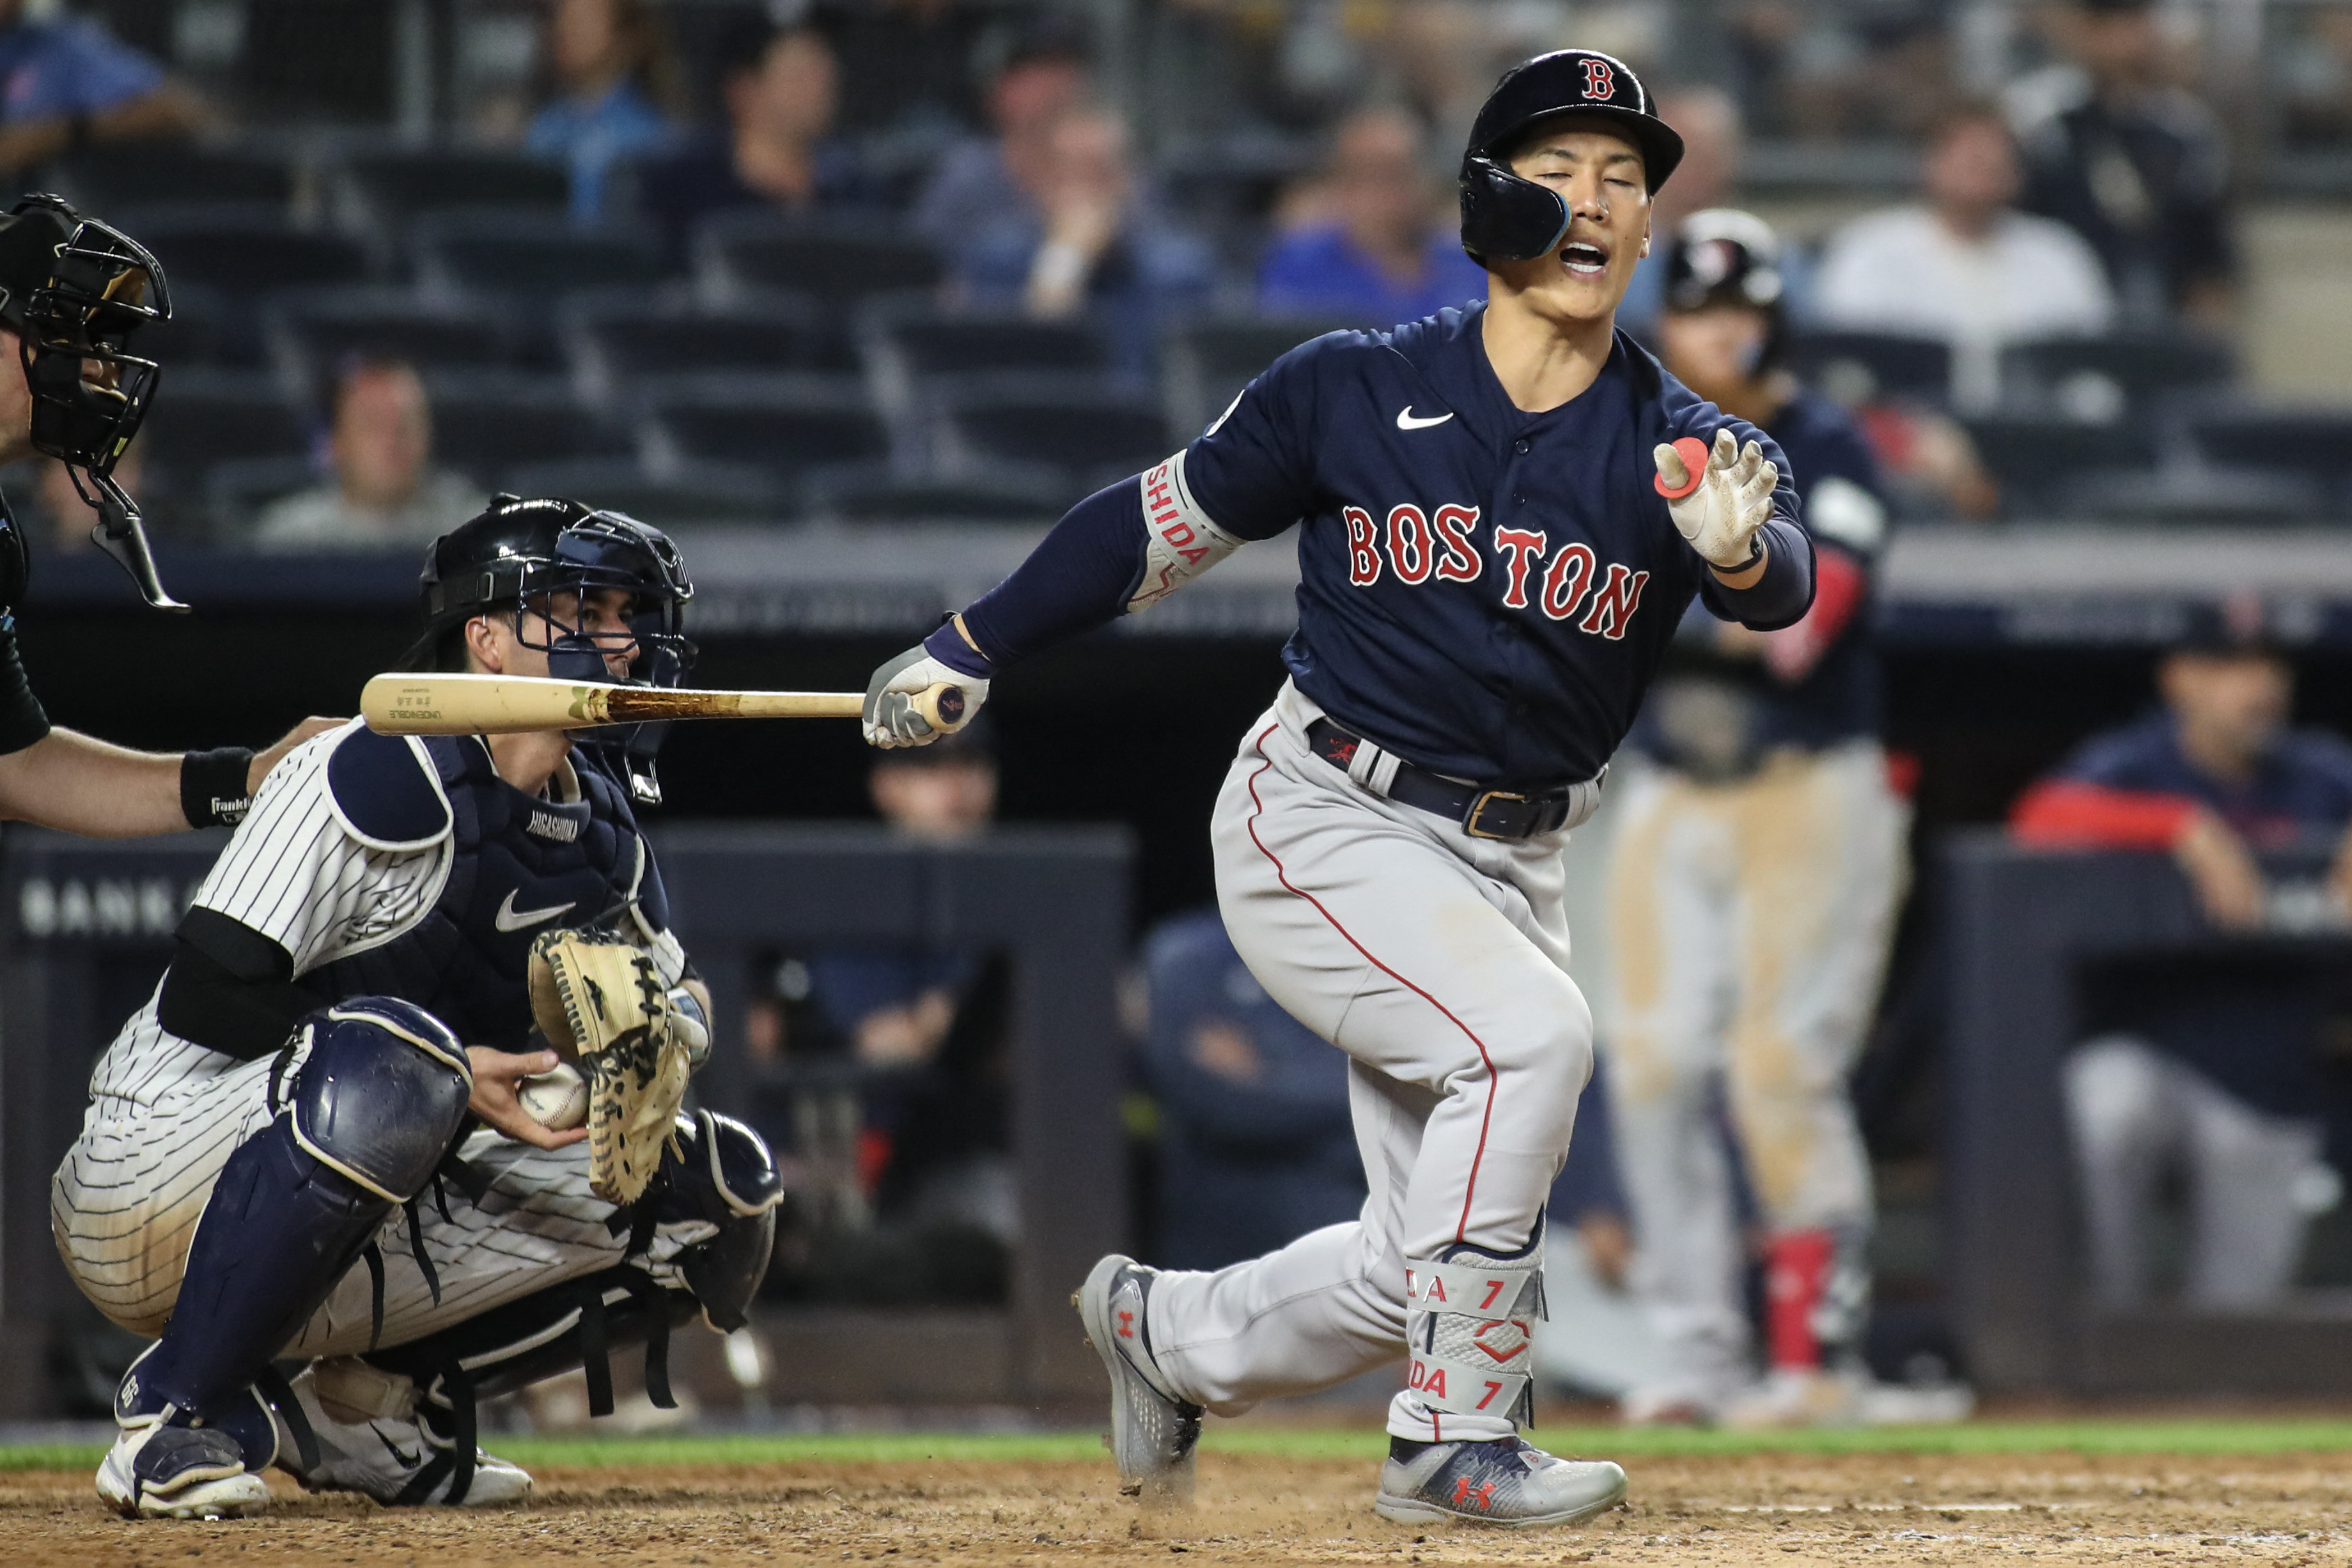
{"x": 124, "y": 1209}
{"x": 1438, "y": 962}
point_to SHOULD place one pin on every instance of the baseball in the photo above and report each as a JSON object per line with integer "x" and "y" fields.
{"x": 556, "y": 1099}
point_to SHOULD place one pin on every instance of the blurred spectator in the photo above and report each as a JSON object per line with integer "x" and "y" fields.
{"x": 907, "y": 66}
{"x": 982, "y": 180}
{"x": 66, "y": 82}
{"x": 1708, "y": 121}
{"x": 2214, "y": 777}
{"x": 1090, "y": 246}
{"x": 2135, "y": 165}
{"x": 615, "y": 82}
{"x": 60, "y": 506}
{"x": 385, "y": 492}
{"x": 1256, "y": 1145}
{"x": 777, "y": 149}
{"x": 1964, "y": 265}
{"x": 1386, "y": 251}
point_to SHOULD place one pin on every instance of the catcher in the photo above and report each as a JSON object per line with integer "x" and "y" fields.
{"x": 311, "y": 1143}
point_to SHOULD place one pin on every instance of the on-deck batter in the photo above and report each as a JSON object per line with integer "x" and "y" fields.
{"x": 1499, "y": 534}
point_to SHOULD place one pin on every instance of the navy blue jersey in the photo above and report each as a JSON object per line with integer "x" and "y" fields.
{"x": 2303, "y": 786}
{"x": 1483, "y": 590}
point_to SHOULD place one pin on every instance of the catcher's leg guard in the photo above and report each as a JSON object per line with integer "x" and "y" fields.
{"x": 370, "y": 1115}
{"x": 1469, "y": 1321}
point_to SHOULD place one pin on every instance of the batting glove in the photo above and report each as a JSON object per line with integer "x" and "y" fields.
{"x": 891, "y": 716}
{"x": 1718, "y": 498}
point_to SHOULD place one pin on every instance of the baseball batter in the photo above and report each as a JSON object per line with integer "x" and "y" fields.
{"x": 1503, "y": 512}
{"x": 280, "y": 1158}
{"x": 1758, "y": 858}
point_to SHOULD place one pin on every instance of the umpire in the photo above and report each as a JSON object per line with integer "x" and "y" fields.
{"x": 72, "y": 292}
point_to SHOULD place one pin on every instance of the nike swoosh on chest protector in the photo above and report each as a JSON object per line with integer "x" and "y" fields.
{"x": 1408, "y": 420}
{"x": 509, "y": 918}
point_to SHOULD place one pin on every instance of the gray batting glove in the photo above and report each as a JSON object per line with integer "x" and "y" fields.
{"x": 1732, "y": 500}
{"x": 890, "y": 718}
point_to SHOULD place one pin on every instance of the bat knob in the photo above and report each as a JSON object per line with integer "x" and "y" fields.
{"x": 944, "y": 708}
{"x": 950, "y": 706}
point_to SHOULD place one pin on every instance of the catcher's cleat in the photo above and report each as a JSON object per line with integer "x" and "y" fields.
{"x": 1505, "y": 1481}
{"x": 390, "y": 1449}
{"x": 162, "y": 1471}
{"x": 1152, "y": 1431}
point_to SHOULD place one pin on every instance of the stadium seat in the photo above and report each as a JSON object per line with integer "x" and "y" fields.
{"x": 911, "y": 355}
{"x": 309, "y": 335}
{"x": 705, "y": 493}
{"x": 768, "y": 421}
{"x": 991, "y": 495}
{"x": 2250, "y": 496}
{"x": 1854, "y": 367}
{"x": 486, "y": 423}
{"x": 205, "y": 330}
{"x": 2313, "y": 442}
{"x": 619, "y": 344}
{"x": 528, "y": 258}
{"x": 109, "y": 180}
{"x": 2139, "y": 365}
{"x": 385, "y": 190}
{"x": 1205, "y": 365}
{"x": 740, "y": 253}
{"x": 1088, "y": 434}
{"x": 2035, "y": 458}
{"x": 245, "y": 250}
{"x": 209, "y": 417}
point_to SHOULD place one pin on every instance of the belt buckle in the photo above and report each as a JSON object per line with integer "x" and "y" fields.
{"x": 1478, "y": 808}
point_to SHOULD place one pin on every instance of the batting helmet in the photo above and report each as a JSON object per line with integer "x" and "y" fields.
{"x": 73, "y": 289}
{"x": 1506, "y": 218}
{"x": 518, "y": 551}
{"x": 1725, "y": 256}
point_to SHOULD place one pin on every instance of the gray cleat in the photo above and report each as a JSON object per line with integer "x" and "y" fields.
{"x": 1152, "y": 1431}
{"x": 1505, "y": 1482}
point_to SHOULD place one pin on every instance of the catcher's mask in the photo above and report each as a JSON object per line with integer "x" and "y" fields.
{"x": 515, "y": 557}
{"x": 73, "y": 290}
{"x": 1506, "y": 218}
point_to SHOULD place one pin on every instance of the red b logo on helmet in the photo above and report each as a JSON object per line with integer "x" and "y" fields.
{"x": 1599, "y": 81}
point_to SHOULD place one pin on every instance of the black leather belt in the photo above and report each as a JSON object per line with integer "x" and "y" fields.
{"x": 1483, "y": 813}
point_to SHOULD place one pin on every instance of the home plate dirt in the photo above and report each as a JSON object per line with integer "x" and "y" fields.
{"x": 2292, "y": 1508}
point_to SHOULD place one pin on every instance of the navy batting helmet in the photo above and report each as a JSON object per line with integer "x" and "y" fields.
{"x": 1506, "y": 218}
{"x": 1725, "y": 256}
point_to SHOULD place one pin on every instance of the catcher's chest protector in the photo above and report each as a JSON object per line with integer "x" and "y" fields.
{"x": 520, "y": 865}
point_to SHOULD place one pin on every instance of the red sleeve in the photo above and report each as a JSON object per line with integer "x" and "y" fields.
{"x": 1838, "y": 580}
{"x": 2066, "y": 814}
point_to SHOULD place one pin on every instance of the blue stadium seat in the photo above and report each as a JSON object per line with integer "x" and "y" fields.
{"x": 619, "y": 344}
{"x": 1857, "y": 366}
{"x": 109, "y": 179}
{"x": 703, "y": 492}
{"x": 528, "y": 259}
{"x": 245, "y": 250}
{"x": 834, "y": 259}
{"x": 2035, "y": 458}
{"x": 1087, "y": 432}
{"x": 786, "y": 427}
{"x": 914, "y": 354}
{"x": 382, "y": 191}
{"x": 310, "y": 335}
{"x": 213, "y": 416}
{"x": 2313, "y": 442}
{"x": 2140, "y": 365}
{"x": 486, "y": 423}
{"x": 1205, "y": 364}
{"x": 982, "y": 495}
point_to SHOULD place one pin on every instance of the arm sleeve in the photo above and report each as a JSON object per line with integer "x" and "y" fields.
{"x": 1781, "y": 596}
{"x": 1124, "y": 547}
{"x": 229, "y": 988}
{"x": 2074, "y": 813}
{"x": 22, "y": 721}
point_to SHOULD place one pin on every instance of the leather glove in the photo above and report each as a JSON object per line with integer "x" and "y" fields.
{"x": 1717, "y": 508}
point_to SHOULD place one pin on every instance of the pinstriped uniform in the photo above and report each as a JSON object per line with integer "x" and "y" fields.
{"x": 166, "y": 1114}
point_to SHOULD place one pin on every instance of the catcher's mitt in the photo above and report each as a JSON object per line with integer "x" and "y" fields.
{"x": 601, "y": 1003}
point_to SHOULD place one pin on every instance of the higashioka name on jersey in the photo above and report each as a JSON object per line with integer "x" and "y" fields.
{"x": 1569, "y": 583}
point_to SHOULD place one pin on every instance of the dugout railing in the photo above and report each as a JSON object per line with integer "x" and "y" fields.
{"x": 85, "y": 930}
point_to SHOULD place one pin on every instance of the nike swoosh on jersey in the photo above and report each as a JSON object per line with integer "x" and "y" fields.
{"x": 1407, "y": 421}
{"x": 509, "y": 918}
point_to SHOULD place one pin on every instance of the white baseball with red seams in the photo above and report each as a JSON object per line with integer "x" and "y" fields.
{"x": 1439, "y": 963}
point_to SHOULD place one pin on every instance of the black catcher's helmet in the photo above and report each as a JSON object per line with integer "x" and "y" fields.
{"x": 1725, "y": 256}
{"x": 517, "y": 553}
{"x": 1506, "y": 218}
{"x": 73, "y": 290}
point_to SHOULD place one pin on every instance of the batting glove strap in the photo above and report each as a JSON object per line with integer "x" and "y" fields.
{"x": 890, "y": 719}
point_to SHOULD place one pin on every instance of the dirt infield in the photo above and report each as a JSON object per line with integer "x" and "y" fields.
{"x": 2288, "y": 1509}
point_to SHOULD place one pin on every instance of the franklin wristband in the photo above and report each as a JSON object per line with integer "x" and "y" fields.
{"x": 213, "y": 793}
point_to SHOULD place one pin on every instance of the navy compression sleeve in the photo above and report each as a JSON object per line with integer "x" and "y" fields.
{"x": 1781, "y": 596}
{"x": 1079, "y": 577}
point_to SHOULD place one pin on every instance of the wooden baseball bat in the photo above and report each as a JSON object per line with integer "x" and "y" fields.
{"x": 513, "y": 704}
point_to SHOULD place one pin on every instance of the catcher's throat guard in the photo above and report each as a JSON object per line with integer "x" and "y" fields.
{"x": 1506, "y": 218}
{"x": 74, "y": 290}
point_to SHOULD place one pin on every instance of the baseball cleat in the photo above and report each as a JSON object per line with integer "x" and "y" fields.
{"x": 395, "y": 1458}
{"x": 159, "y": 1471}
{"x": 1152, "y": 1431}
{"x": 1507, "y": 1482}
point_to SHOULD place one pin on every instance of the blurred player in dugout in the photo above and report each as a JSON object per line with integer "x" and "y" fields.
{"x": 2223, "y": 1089}
{"x": 1759, "y": 862}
